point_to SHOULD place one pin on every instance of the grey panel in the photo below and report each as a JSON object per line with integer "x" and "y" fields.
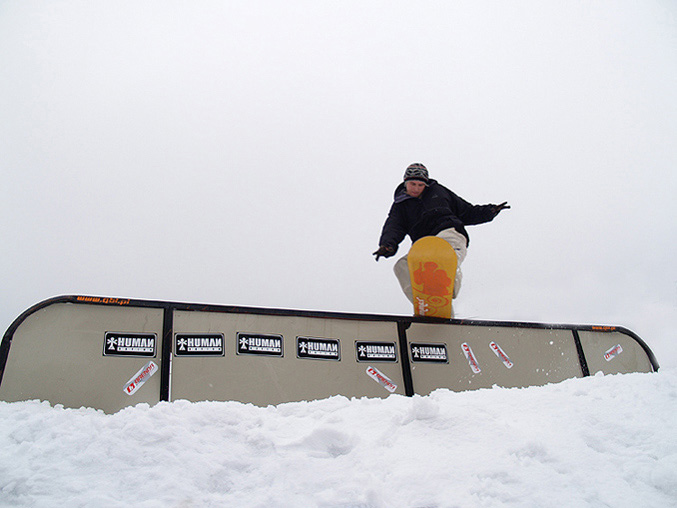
{"x": 613, "y": 353}
{"x": 57, "y": 355}
{"x": 537, "y": 356}
{"x": 266, "y": 380}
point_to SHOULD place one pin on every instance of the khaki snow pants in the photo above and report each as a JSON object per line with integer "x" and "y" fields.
{"x": 456, "y": 240}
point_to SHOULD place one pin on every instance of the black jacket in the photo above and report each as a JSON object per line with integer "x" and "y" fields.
{"x": 435, "y": 210}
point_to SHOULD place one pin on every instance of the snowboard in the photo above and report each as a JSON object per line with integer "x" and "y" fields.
{"x": 432, "y": 268}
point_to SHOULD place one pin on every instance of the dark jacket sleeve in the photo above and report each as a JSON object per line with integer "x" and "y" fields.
{"x": 468, "y": 213}
{"x": 394, "y": 229}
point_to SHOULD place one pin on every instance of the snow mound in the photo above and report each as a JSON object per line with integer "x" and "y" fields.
{"x": 598, "y": 441}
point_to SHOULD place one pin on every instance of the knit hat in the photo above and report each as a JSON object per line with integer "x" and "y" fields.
{"x": 416, "y": 171}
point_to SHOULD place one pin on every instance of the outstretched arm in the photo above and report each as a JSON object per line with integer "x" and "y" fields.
{"x": 476, "y": 214}
{"x": 497, "y": 208}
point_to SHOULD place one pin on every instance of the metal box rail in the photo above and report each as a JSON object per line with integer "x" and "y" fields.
{"x": 110, "y": 353}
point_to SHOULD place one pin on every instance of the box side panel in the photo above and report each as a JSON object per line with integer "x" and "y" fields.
{"x": 57, "y": 354}
{"x": 483, "y": 356}
{"x": 273, "y": 378}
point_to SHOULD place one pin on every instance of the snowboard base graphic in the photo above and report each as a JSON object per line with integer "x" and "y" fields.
{"x": 432, "y": 268}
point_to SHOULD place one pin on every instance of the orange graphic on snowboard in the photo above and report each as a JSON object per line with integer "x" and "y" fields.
{"x": 432, "y": 267}
{"x": 434, "y": 280}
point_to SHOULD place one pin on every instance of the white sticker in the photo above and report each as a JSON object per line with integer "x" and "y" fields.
{"x": 501, "y": 354}
{"x": 470, "y": 356}
{"x": 423, "y": 307}
{"x": 381, "y": 379}
{"x": 613, "y": 352}
{"x": 140, "y": 378}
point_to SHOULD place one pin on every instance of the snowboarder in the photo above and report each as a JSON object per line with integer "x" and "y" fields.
{"x": 423, "y": 207}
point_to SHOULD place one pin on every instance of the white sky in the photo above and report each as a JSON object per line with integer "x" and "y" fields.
{"x": 246, "y": 153}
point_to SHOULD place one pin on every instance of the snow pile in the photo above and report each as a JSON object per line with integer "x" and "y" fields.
{"x": 599, "y": 441}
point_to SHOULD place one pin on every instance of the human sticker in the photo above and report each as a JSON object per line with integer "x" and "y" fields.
{"x": 368, "y": 351}
{"x": 129, "y": 344}
{"x": 318, "y": 349}
{"x": 207, "y": 344}
{"x": 259, "y": 344}
{"x": 436, "y": 353}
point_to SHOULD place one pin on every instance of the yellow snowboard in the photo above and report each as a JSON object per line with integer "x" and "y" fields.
{"x": 432, "y": 268}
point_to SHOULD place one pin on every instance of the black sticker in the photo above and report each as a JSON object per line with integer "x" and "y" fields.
{"x": 129, "y": 344}
{"x": 375, "y": 351}
{"x": 259, "y": 344}
{"x": 431, "y": 353}
{"x": 199, "y": 344}
{"x": 318, "y": 349}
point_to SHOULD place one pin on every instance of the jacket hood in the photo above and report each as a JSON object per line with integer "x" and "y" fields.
{"x": 401, "y": 194}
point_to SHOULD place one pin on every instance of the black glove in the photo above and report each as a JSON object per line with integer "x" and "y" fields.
{"x": 497, "y": 208}
{"x": 384, "y": 250}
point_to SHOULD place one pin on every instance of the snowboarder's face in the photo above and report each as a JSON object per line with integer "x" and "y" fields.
{"x": 414, "y": 188}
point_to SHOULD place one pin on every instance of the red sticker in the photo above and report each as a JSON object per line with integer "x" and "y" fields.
{"x": 613, "y": 352}
{"x": 501, "y": 354}
{"x": 140, "y": 378}
{"x": 470, "y": 356}
{"x": 381, "y": 379}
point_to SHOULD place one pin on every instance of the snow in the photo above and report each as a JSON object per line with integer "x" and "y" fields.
{"x": 598, "y": 441}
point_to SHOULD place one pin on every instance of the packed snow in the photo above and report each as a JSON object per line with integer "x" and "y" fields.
{"x": 602, "y": 441}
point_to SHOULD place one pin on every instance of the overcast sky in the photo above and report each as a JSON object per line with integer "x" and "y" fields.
{"x": 246, "y": 152}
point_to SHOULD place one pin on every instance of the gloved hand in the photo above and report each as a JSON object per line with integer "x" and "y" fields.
{"x": 385, "y": 251}
{"x": 497, "y": 208}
